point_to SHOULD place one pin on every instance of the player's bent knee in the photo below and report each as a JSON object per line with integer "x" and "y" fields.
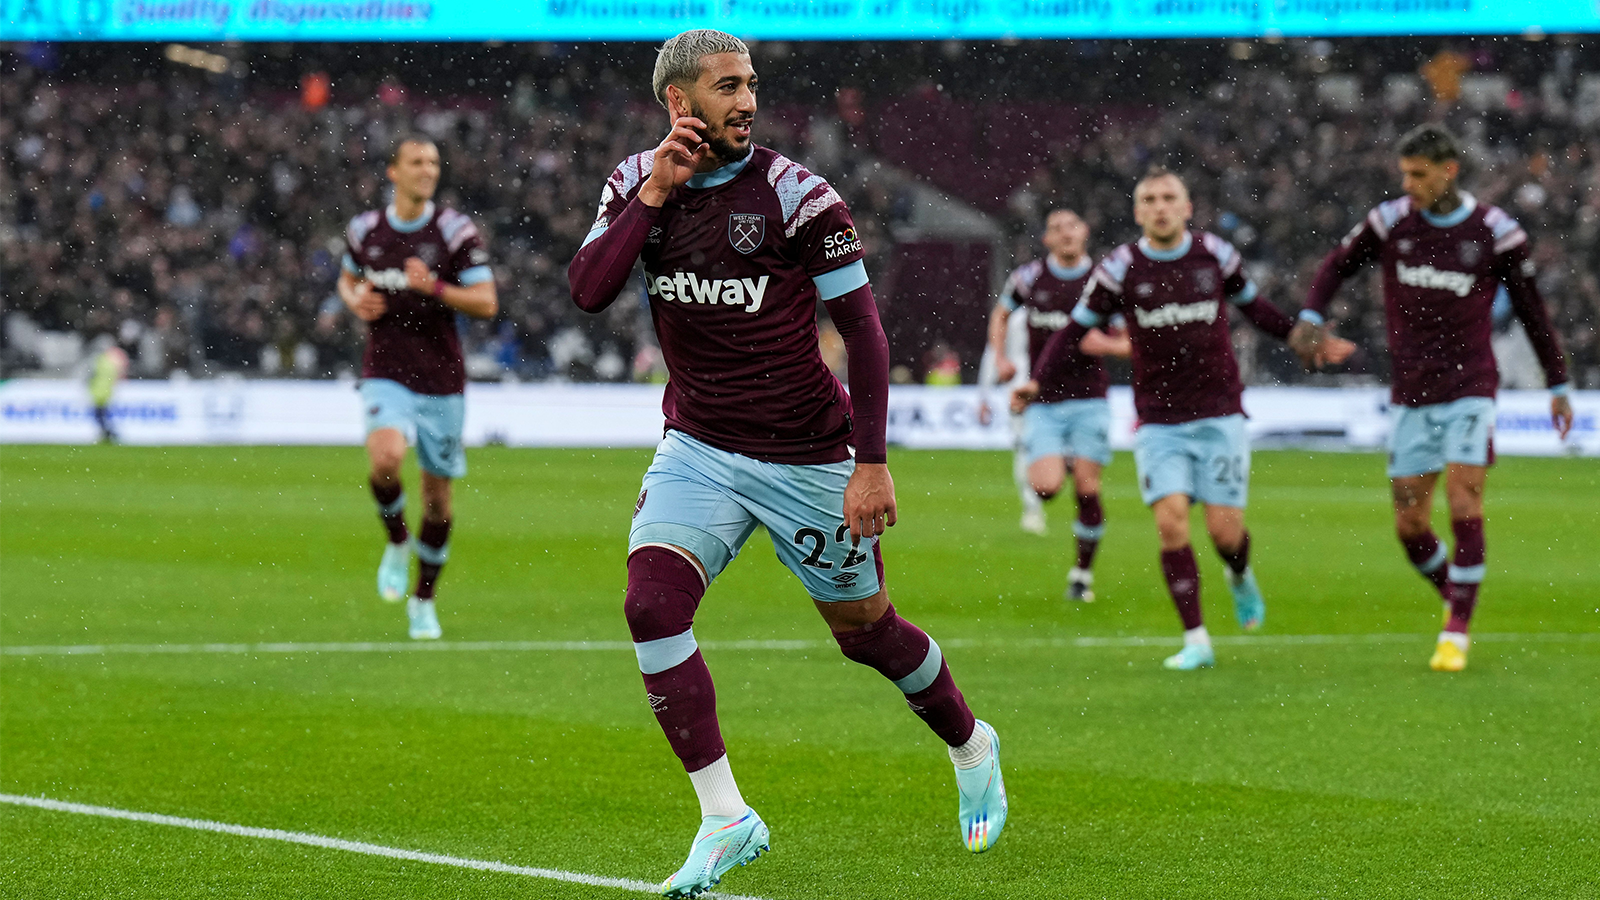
{"x": 664, "y": 590}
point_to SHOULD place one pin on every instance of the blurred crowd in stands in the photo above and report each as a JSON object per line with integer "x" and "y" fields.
{"x": 197, "y": 219}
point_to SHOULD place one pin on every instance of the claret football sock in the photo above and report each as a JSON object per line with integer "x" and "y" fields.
{"x": 1237, "y": 559}
{"x": 1183, "y": 582}
{"x": 664, "y": 589}
{"x": 433, "y": 550}
{"x": 1466, "y": 573}
{"x": 905, "y": 655}
{"x": 1428, "y": 555}
{"x": 1089, "y": 528}
{"x": 391, "y": 509}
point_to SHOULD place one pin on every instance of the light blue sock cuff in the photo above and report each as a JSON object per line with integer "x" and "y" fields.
{"x": 395, "y": 508}
{"x": 925, "y": 673}
{"x": 1432, "y": 563}
{"x": 1088, "y": 532}
{"x": 661, "y": 655}
{"x": 1467, "y": 574}
{"x": 433, "y": 556}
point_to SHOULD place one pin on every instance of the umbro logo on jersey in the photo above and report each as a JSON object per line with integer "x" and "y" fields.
{"x": 1176, "y": 314}
{"x": 687, "y": 287}
{"x": 373, "y": 252}
{"x": 1458, "y": 283}
{"x": 746, "y": 231}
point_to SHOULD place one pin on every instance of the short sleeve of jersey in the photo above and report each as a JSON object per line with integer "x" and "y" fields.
{"x": 466, "y": 258}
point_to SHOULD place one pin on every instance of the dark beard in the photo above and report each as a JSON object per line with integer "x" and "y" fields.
{"x": 723, "y": 149}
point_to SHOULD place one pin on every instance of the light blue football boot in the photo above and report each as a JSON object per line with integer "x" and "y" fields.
{"x": 722, "y": 843}
{"x": 424, "y": 620}
{"x": 394, "y": 572}
{"x": 1191, "y": 657}
{"x": 983, "y": 798}
{"x": 1248, "y": 605}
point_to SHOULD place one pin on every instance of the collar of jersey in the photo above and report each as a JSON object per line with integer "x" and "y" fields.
{"x": 1167, "y": 255}
{"x": 407, "y": 226}
{"x": 1454, "y": 217}
{"x": 720, "y": 176}
{"x": 1064, "y": 274}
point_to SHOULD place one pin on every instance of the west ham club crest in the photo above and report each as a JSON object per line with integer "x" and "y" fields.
{"x": 1469, "y": 252}
{"x": 746, "y": 231}
{"x": 1205, "y": 281}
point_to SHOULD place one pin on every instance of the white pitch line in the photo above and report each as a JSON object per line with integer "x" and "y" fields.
{"x": 317, "y": 840}
{"x": 1112, "y": 641}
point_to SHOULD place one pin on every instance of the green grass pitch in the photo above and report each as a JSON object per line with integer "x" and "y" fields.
{"x": 1332, "y": 767}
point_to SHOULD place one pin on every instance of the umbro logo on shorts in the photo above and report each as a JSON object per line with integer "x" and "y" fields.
{"x": 373, "y": 410}
{"x": 845, "y": 579}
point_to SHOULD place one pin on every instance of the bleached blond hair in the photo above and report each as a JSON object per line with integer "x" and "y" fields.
{"x": 678, "y": 60}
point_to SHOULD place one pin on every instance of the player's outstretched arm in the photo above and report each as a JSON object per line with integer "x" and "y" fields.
{"x": 477, "y": 300}
{"x": 869, "y": 504}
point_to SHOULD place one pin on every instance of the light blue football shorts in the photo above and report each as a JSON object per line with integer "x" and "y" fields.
{"x": 1075, "y": 429}
{"x": 709, "y": 501}
{"x": 1207, "y": 459}
{"x": 1425, "y": 438}
{"x": 434, "y": 422}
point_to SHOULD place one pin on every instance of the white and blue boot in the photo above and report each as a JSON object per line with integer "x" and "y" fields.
{"x": 1248, "y": 605}
{"x": 424, "y": 620}
{"x": 722, "y": 843}
{"x": 983, "y": 797}
{"x": 394, "y": 572}
{"x": 1191, "y": 657}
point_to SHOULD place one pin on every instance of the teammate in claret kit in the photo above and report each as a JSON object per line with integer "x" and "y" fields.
{"x": 1068, "y": 427}
{"x": 1443, "y": 256}
{"x": 738, "y": 245}
{"x": 407, "y": 271}
{"x": 1174, "y": 288}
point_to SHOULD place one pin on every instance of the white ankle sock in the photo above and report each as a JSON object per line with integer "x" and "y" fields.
{"x": 1198, "y": 635}
{"x": 1455, "y": 637}
{"x": 719, "y": 795}
{"x": 974, "y": 751}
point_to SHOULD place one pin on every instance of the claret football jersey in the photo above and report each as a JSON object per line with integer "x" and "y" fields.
{"x": 1046, "y": 294}
{"x": 1176, "y": 305}
{"x": 415, "y": 341}
{"x": 733, "y": 266}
